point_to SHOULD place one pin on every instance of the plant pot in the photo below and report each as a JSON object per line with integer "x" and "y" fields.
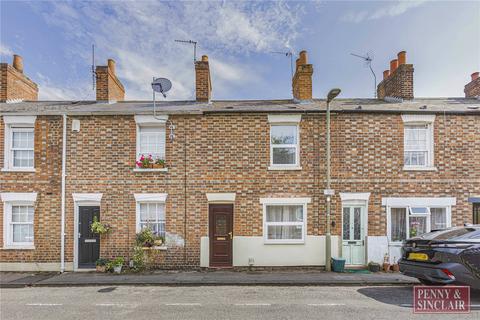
{"x": 117, "y": 269}
{"x": 100, "y": 268}
{"x": 158, "y": 242}
{"x": 386, "y": 266}
{"x": 396, "y": 267}
{"x": 158, "y": 165}
{"x": 373, "y": 267}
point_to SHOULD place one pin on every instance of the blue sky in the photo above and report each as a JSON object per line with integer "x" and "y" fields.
{"x": 442, "y": 40}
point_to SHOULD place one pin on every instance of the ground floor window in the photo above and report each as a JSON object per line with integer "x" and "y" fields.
{"x": 408, "y": 222}
{"x": 18, "y": 220}
{"x": 152, "y": 216}
{"x": 284, "y": 222}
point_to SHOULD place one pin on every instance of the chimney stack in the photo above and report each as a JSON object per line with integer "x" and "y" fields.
{"x": 109, "y": 87}
{"x": 398, "y": 81}
{"x": 302, "y": 80}
{"x": 14, "y": 84}
{"x": 203, "y": 81}
{"x": 472, "y": 89}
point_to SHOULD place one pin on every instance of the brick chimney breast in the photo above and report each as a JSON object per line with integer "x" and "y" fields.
{"x": 398, "y": 81}
{"x": 203, "y": 81}
{"x": 109, "y": 87}
{"x": 472, "y": 89}
{"x": 302, "y": 79}
{"x": 14, "y": 84}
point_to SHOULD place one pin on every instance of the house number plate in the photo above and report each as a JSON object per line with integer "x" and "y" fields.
{"x": 221, "y": 238}
{"x": 90, "y": 240}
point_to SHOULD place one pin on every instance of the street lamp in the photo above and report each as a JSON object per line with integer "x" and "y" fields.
{"x": 328, "y": 192}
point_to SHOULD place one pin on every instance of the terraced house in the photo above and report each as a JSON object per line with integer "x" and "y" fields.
{"x": 243, "y": 181}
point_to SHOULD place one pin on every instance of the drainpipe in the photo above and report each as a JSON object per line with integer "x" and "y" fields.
{"x": 64, "y": 158}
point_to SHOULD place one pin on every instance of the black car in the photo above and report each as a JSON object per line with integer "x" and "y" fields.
{"x": 444, "y": 257}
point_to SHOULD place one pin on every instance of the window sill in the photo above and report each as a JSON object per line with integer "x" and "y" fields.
{"x": 406, "y": 168}
{"x": 23, "y": 247}
{"x": 150, "y": 170}
{"x": 161, "y": 248}
{"x": 18, "y": 169}
{"x": 395, "y": 244}
{"x": 267, "y": 242}
{"x": 281, "y": 168}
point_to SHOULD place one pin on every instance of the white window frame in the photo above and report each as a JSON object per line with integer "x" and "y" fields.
{"x": 17, "y": 124}
{"x": 284, "y": 202}
{"x": 150, "y": 121}
{"x": 407, "y": 203}
{"x": 149, "y": 198}
{"x": 285, "y": 120}
{"x": 428, "y": 121}
{"x": 16, "y": 199}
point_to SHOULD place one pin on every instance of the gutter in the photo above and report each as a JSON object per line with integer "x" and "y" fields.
{"x": 64, "y": 158}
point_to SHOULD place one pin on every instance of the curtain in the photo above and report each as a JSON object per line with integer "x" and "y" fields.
{"x": 398, "y": 224}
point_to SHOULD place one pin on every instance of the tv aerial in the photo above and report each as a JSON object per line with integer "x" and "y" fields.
{"x": 194, "y": 43}
{"x": 287, "y": 54}
{"x": 368, "y": 58}
{"x": 162, "y": 85}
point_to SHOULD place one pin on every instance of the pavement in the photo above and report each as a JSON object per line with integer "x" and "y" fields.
{"x": 204, "y": 278}
{"x": 223, "y": 302}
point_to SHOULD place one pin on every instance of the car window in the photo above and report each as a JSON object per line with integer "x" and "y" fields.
{"x": 453, "y": 234}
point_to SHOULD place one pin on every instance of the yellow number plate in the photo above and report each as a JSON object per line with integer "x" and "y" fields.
{"x": 417, "y": 256}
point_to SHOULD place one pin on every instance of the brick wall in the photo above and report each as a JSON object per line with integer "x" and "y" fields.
{"x": 15, "y": 85}
{"x": 302, "y": 79}
{"x": 230, "y": 153}
{"x": 399, "y": 84}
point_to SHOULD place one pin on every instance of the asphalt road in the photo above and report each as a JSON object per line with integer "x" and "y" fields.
{"x": 245, "y": 302}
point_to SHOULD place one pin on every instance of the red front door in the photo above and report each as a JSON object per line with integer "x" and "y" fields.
{"x": 221, "y": 234}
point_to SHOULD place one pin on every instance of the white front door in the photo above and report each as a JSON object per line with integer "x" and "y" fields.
{"x": 353, "y": 235}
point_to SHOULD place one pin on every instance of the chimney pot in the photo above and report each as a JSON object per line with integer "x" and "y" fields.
{"x": 111, "y": 66}
{"x": 204, "y": 58}
{"x": 303, "y": 57}
{"x": 18, "y": 63}
{"x": 475, "y": 75}
{"x": 402, "y": 57}
{"x": 386, "y": 73}
{"x": 393, "y": 65}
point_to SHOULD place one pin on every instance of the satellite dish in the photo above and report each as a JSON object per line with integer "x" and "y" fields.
{"x": 161, "y": 85}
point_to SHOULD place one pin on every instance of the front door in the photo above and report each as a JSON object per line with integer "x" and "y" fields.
{"x": 353, "y": 235}
{"x": 88, "y": 242}
{"x": 221, "y": 234}
{"x": 476, "y": 213}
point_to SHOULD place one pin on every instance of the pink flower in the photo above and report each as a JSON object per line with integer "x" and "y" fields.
{"x": 142, "y": 158}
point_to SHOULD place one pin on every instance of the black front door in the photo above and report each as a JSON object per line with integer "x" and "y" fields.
{"x": 88, "y": 242}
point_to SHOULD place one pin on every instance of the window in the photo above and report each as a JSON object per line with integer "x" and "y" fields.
{"x": 18, "y": 221}
{"x": 151, "y": 142}
{"x": 152, "y": 216}
{"x": 19, "y": 143}
{"x": 284, "y": 219}
{"x": 418, "y": 141}
{"x": 151, "y": 137}
{"x": 284, "y": 145}
{"x": 415, "y": 221}
{"x": 151, "y": 212}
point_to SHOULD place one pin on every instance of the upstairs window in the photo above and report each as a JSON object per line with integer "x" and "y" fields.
{"x": 284, "y": 142}
{"x": 19, "y": 143}
{"x": 418, "y": 142}
{"x": 151, "y": 141}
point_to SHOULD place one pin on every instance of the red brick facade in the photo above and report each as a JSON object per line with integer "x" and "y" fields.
{"x": 223, "y": 152}
{"x": 472, "y": 89}
{"x": 14, "y": 85}
{"x": 108, "y": 87}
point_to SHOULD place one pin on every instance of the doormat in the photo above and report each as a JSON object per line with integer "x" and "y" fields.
{"x": 357, "y": 271}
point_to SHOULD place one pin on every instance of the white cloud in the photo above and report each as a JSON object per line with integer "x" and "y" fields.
{"x": 391, "y": 10}
{"x": 140, "y": 37}
{"x": 5, "y": 51}
{"x": 56, "y": 92}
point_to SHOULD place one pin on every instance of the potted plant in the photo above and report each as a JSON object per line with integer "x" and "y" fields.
{"x": 159, "y": 163}
{"x": 145, "y": 162}
{"x": 145, "y": 238}
{"x": 117, "y": 264}
{"x": 98, "y": 227}
{"x": 373, "y": 266}
{"x": 386, "y": 263}
{"x": 395, "y": 266}
{"x": 101, "y": 265}
{"x": 158, "y": 240}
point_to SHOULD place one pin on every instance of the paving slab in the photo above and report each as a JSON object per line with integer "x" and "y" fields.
{"x": 216, "y": 278}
